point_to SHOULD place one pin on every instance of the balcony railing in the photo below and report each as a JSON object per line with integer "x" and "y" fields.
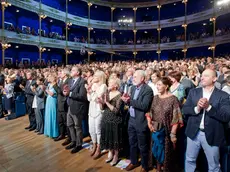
{"x": 13, "y": 37}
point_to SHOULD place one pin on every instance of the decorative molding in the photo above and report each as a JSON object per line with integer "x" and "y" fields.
{"x": 108, "y": 3}
{"x": 33, "y": 6}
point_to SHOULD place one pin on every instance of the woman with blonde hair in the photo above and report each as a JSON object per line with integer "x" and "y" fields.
{"x": 51, "y": 124}
{"x": 111, "y": 125}
{"x": 94, "y": 92}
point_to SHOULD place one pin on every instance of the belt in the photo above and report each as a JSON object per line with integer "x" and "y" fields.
{"x": 202, "y": 130}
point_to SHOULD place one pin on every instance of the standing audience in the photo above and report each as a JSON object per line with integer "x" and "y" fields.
{"x": 38, "y": 104}
{"x": 122, "y": 110}
{"x": 95, "y": 92}
{"x": 208, "y": 112}
{"x": 51, "y": 123}
{"x": 111, "y": 125}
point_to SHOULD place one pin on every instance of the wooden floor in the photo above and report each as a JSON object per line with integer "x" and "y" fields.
{"x": 21, "y": 150}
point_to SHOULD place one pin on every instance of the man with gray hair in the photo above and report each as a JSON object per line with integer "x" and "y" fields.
{"x": 139, "y": 135}
{"x": 63, "y": 107}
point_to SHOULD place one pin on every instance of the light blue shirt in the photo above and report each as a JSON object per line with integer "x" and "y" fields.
{"x": 131, "y": 109}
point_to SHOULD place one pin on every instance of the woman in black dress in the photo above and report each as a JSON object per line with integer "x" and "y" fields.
{"x": 111, "y": 125}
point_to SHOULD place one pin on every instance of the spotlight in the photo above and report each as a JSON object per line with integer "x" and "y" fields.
{"x": 222, "y": 2}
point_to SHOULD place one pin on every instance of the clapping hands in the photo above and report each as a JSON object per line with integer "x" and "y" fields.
{"x": 125, "y": 98}
{"x": 203, "y": 103}
{"x": 66, "y": 90}
{"x": 100, "y": 100}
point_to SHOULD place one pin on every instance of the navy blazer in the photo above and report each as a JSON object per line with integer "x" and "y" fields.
{"x": 216, "y": 120}
{"x": 142, "y": 105}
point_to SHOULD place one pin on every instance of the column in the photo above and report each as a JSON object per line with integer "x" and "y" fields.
{"x": 41, "y": 50}
{"x": 89, "y": 29}
{"x": 159, "y": 32}
{"x": 185, "y": 28}
{"x": 112, "y": 30}
{"x": 135, "y": 32}
{"x": 213, "y": 20}
{"x": 41, "y": 17}
{"x": 67, "y": 25}
{"x": 4, "y": 44}
{"x": 111, "y": 57}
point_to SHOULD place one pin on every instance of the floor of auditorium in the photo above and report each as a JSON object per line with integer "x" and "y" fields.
{"x": 25, "y": 151}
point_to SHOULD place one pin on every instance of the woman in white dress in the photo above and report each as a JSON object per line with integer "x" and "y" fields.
{"x": 94, "y": 93}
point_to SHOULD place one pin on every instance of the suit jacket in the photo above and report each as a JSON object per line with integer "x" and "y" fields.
{"x": 78, "y": 102}
{"x": 29, "y": 93}
{"x": 216, "y": 119}
{"x": 62, "y": 103}
{"x": 39, "y": 93}
{"x": 142, "y": 105}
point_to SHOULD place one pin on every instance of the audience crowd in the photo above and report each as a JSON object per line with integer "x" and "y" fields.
{"x": 154, "y": 109}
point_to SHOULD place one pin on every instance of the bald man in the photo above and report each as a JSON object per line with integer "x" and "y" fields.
{"x": 208, "y": 112}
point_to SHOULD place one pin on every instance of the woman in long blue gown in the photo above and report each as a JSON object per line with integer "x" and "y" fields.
{"x": 51, "y": 124}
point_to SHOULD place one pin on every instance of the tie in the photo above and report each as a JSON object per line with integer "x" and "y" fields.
{"x": 72, "y": 84}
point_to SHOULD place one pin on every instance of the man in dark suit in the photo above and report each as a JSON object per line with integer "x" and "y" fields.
{"x": 29, "y": 100}
{"x": 139, "y": 134}
{"x": 63, "y": 107}
{"x": 78, "y": 107}
{"x": 208, "y": 112}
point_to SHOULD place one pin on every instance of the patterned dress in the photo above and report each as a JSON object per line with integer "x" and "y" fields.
{"x": 166, "y": 111}
{"x": 111, "y": 126}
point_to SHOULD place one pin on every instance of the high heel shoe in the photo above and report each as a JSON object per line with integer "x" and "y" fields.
{"x": 110, "y": 157}
{"x": 109, "y": 160}
{"x": 97, "y": 154}
{"x": 115, "y": 160}
{"x": 93, "y": 149}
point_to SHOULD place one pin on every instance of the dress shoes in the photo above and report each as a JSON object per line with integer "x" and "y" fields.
{"x": 71, "y": 146}
{"x": 27, "y": 128}
{"x": 66, "y": 142}
{"x": 40, "y": 133}
{"x": 59, "y": 138}
{"x": 76, "y": 149}
{"x": 143, "y": 170}
{"x": 131, "y": 167}
{"x": 36, "y": 131}
{"x": 31, "y": 129}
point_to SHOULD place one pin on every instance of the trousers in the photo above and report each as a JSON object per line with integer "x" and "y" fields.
{"x": 192, "y": 151}
{"x": 74, "y": 124}
{"x": 95, "y": 128}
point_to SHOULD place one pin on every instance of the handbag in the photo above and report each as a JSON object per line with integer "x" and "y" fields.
{"x": 158, "y": 148}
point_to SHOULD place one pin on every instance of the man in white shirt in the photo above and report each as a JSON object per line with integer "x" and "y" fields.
{"x": 208, "y": 112}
